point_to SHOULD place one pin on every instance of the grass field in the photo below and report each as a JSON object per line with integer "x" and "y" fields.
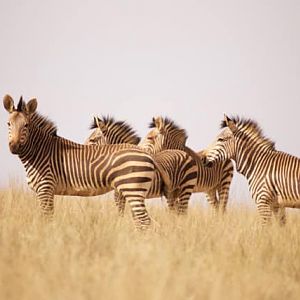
{"x": 88, "y": 252}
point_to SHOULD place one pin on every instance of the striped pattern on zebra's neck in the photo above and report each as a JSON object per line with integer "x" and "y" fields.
{"x": 250, "y": 146}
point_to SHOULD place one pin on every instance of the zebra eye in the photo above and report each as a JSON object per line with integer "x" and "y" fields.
{"x": 221, "y": 139}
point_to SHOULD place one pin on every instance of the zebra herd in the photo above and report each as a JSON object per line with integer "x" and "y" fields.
{"x": 114, "y": 159}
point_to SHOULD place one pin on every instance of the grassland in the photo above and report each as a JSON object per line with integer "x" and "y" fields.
{"x": 88, "y": 252}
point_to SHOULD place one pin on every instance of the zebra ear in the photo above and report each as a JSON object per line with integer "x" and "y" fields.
{"x": 101, "y": 124}
{"x": 31, "y": 106}
{"x": 230, "y": 124}
{"x": 159, "y": 123}
{"x": 96, "y": 121}
{"x": 8, "y": 103}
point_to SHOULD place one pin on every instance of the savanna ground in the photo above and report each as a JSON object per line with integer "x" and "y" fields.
{"x": 88, "y": 252}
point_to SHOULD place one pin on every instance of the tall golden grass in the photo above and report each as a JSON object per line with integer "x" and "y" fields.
{"x": 88, "y": 252}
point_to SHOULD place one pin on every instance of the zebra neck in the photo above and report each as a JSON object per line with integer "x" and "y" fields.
{"x": 250, "y": 160}
{"x": 37, "y": 145}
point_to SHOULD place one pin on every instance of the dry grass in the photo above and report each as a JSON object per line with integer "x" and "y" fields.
{"x": 88, "y": 252}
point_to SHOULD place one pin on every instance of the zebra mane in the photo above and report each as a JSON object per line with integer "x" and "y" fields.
{"x": 120, "y": 129}
{"x": 250, "y": 127}
{"x": 44, "y": 124}
{"x": 170, "y": 125}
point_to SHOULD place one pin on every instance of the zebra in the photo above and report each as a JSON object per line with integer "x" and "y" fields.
{"x": 57, "y": 166}
{"x": 273, "y": 176}
{"x": 214, "y": 182}
{"x": 109, "y": 131}
{"x": 177, "y": 168}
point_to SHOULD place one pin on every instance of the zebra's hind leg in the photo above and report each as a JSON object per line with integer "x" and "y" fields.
{"x": 171, "y": 202}
{"x": 120, "y": 202}
{"x": 183, "y": 203}
{"x": 211, "y": 197}
{"x": 139, "y": 212}
{"x": 184, "y": 198}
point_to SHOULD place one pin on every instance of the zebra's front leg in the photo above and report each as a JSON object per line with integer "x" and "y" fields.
{"x": 279, "y": 213}
{"x": 45, "y": 196}
{"x": 264, "y": 207}
{"x": 213, "y": 201}
{"x": 223, "y": 193}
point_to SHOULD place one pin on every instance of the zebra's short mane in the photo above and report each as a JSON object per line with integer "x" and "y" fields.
{"x": 44, "y": 124}
{"x": 170, "y": 125}
{"x": 250, "y": 127}
{"x": 120, "y": 127}
{"x": 107, "y": 120}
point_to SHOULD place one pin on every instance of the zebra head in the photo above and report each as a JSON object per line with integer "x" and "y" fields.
{"x": 109, "y": 131}
{"x": 97, "y": 137}
{"x": 223, "y": 148}
{"x": 164, "y": 135}
{"x": 18, "y": 122}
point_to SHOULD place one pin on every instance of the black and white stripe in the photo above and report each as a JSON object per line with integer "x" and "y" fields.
{"x": 177, "y": 169}
{"x": 273, "y": 176}
{"x": 214, "y": 182}
{"x": 57, "y": 166}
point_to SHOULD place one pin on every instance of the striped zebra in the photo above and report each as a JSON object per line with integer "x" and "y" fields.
{"x": 214, "y": 182}
{"x": 57, "y": 166}
{"x": 178, "y": 169}
{"x": 273, "y": 176}
{"x": 109, "y": 131}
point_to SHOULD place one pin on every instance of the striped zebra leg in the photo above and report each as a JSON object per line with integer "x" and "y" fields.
{"x": 279, "y": 213}
{"x": 223, "y": 190}
{"x": 264, "y": 207}
{"x": 45, "y": 197}
{"x": 183, "y": 201}
{"x": 138, "y": 210}
{"x": 132, "y": 176}
{"x": 171, "y": 202}
{"x": 223, "y": 193}
{"x": 120, "y": 203}
{"x": 211, "y": 197}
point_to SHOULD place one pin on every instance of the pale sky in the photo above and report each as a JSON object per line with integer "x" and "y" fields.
{"x": 189, "y": 60}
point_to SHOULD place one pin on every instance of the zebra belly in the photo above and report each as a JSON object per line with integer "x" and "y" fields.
{"x": 289, "y": 202}
{"x": 203, "y": 188}
{"x": 76, "y": 191}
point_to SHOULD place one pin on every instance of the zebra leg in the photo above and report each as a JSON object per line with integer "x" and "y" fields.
{"x": 264, "y": 207}
{"x": 223, "y": 190}
{"x": 279, "y": 213}
{"x": 183, "y": 203}
{"x": 171, "y": 202}
{"x": 45, "y": 196}
{"x": 139, "y": 212}
{"x": 213, "y": 201}
{"x": 184, "y": 197}
{"x": 223, "y": 194}
{"x": 120, "y": 203}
